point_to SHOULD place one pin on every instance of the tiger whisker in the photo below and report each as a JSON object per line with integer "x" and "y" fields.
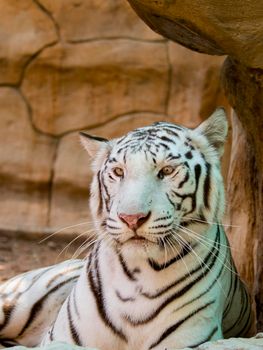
{"x": 209, "y": 269}
{"x": 65, "y": 228}
{"x": 212, "y": 223}
{"x": 178, "y": 252}
{"x": 208, "y": 245}
{"x": 207, "y": 239}
{"x": 70, "y": 243}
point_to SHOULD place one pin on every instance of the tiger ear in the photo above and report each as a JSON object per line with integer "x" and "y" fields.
{"x": 93, "y": 144}
{"x": 215, "y": 129}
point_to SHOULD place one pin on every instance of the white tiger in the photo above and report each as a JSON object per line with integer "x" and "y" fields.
{"x": 161, "y": 275}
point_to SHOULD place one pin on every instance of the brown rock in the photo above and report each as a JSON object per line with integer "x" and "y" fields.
{"x": 125, "y": 123}
{"x": 70, "y": 188}
{"x": 255, "y": 343}
{"x": 195, "y": 89}
{"x": 77, "y": 86}
{"x": 81, "y": 20}
{"x": 25, "y": 167}
{"x": 24, "y": 30}
{"x": 213, "y": 27}
{"x": 244, "y": 88}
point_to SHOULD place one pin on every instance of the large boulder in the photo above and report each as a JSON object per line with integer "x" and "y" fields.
{"x": 232, "y": 27}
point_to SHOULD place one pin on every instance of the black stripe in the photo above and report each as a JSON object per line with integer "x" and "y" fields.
{"x": 197, "y": 177}
{"x": 171, "y": 156}
{"x": 125, "y": 269}
{"x": 173, "y": 126}
{"x": 163, "y": 218}
{"x": 161, "y": 225}
{"x": 51, "y": 333}
{"x": 73, "y": 331}
{"x": 172, "y": 133}
{"x": 207, "y": 186}
{"x": 169, "y": 199}
{"x": 38, "y": 306}
{"x": 159, "y": 267}
{"x": 8, "y": 310}
{"x": 191, "y": 195}
{"x": 113, "y": 227}
{"x": 100, "y": 195}
{"x": 164, "y": 145}
{"x": 107, "y": 199}
{"x": 229, "y": 304}
{"x": 186, "y": 178}
{"x": 242, "y": 332}
{"x": 8, "y": 343}
{"x": 63, "y": 273}
{"x": 208, "y": 338}
{"x": 243, "y": 309}
{"x": 99, "y": 298}
{"x": 75, "y": 302}
{"x": 167, "y": 139}
{"x": 175, "y": 326}
{"x": 124, "y": 300}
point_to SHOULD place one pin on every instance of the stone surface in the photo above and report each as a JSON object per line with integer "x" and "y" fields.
{"x": 255, "y": 343}
{"x": 96, "y": 19}
{"x": 24, "y": 30}
{"x": 214, "y": 27}
{"x": 25, "y": 166}
{"x": 71, "y": 87}
{"x": 244, "y": 87}
{"x": 195, "y": 86}
{"x": 70, "y": 193}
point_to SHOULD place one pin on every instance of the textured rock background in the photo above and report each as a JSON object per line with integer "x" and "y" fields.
{"x": 82, "y": 64}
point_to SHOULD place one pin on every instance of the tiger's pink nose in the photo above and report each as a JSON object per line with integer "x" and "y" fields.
{"x": 134, "y": 221}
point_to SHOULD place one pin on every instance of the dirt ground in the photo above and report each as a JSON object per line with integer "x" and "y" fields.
{"x": 18, "y": 255}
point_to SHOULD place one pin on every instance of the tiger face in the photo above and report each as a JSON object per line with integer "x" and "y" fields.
{"x": 157, "y": 180}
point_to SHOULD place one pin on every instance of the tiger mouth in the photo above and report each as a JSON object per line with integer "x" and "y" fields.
{"x": 138, "y": 239}
{"x": 142, "y": 240}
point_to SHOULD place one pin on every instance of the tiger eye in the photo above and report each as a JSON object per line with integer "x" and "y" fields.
{"x": 167, "y": 170}
{"x": 118, "y": 172}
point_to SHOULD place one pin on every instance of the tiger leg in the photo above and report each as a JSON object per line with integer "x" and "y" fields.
{"x": 29, "y": 302}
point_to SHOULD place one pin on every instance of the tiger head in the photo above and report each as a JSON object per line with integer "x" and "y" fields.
{"x": 158, "y": 182}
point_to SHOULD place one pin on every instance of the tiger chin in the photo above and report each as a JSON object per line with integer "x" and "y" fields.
{"x": 160, "y": 275}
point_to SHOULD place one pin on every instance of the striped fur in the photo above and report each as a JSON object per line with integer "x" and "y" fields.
{"x": 168, "y": 284}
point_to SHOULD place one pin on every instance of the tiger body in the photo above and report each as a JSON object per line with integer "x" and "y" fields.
{"x": 161, "y": 275}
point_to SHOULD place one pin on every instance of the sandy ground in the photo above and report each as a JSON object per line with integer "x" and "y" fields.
{"x": 18, "y": 255}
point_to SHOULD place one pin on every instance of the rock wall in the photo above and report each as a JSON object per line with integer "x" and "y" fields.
{"x": 82, "y": 65}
